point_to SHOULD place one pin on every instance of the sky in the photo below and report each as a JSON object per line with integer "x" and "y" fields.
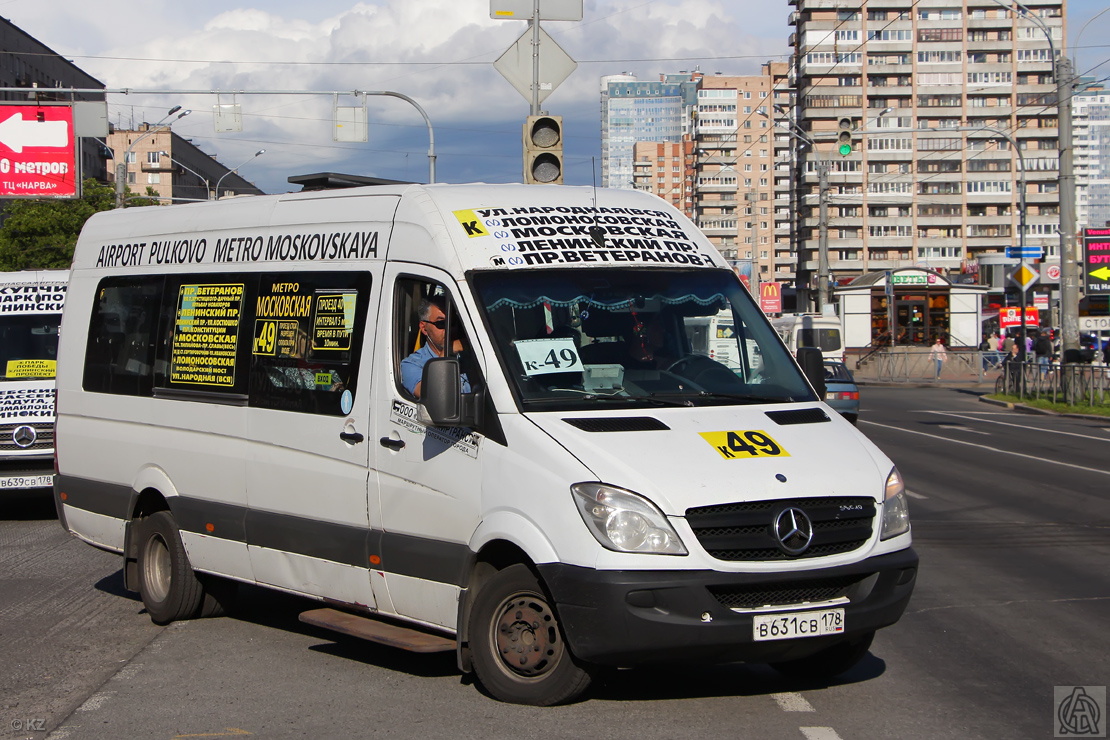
{"x": 438, "y": 53}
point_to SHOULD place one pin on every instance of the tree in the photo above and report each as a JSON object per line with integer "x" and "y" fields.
{"x": 41, "y": 234}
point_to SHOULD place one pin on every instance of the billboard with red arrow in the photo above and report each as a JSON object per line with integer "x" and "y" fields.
{"x": 37, "y": 152}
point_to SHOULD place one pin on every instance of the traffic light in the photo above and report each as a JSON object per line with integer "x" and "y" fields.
{"x": 844, "y": 140}
{"x": 543, "y": 150}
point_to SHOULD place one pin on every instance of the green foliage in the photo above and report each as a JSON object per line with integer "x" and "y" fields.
{"x": 41, "y": 234}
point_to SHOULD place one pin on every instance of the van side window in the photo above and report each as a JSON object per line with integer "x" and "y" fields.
{"x": 278, "y": 341}
{"x": 122, "y": 329}
{"x": 306, "y": 340}
{"x": 415, "y": 337}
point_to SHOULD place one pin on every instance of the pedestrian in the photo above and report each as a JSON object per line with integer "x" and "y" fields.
{"x": 1042, "y": 347}
{"x": 1012, "y": 369}
{"x": 1007, "y": 343}
{"x": 938, "y": 354}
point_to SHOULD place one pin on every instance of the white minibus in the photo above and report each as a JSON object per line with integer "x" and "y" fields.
{"x": 30, "y": 312}
{"x": 812, "y": 330}
{"x": 576, "y": 486}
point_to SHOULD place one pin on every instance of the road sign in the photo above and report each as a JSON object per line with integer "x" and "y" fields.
{"x": 37, "y": 152}
{"x": 770, "y": 297}
{"x": 1027, "y": 253}
{"x": 550, "y": 10}
{"x": 1050, "y": 273}
{"x": 515, "y": 65}
{"x": 1096, "y": 261}
{"x": 1023, "y": 277}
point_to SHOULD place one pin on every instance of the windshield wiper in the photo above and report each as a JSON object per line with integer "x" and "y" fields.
{"x": 746, "y": 397}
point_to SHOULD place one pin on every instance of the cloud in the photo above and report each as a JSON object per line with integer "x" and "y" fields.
{"x": 440, "y": 54}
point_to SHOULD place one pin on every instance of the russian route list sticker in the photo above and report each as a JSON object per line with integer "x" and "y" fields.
{"x": 206, "y": 335}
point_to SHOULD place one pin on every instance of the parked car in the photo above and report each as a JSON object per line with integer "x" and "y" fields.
{"x": 841, "y": 391}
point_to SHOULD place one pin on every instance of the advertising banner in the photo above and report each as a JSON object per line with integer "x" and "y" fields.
{"x": 37, "y": 151}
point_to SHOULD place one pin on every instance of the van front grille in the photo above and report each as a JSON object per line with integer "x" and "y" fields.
{"x": 744, "y": 531}
{"x": 44, "y": 438}
{"x": 784, "y": 594}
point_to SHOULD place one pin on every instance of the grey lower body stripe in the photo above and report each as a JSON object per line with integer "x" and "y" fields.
{"x": 402, "y": 554}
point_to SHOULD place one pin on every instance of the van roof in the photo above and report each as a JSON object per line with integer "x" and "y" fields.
{"x": 490, "y": 227}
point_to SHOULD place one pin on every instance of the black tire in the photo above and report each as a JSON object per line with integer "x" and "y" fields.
{"x": 519, "y": 652}
{"x": 829, "y": 662}
{"x": 167, "y": 583}
{"x": 219, "y": 595}
{"x": 852, "y": 418}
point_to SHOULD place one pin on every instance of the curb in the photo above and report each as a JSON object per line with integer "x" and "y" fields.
{"x": 1043, "y": 412}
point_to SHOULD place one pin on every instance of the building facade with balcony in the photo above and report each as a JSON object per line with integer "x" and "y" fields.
{"x": 173, "y": 168}
{"x": 943, "y": 199}
{"x": 1091, "y": 127}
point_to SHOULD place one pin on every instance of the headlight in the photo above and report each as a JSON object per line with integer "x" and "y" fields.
{"x": 624, "y": 521}
{"x": 896, "y": 511}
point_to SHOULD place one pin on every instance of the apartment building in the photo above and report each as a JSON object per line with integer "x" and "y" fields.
{"x": 947, "y": 199}
{"x": 174, "y": 168}
{"x": 1091, "y": 132}
{"x": 666, "y": 168}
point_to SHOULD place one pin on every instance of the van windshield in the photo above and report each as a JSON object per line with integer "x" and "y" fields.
{"x": 28, "y": 346}
{"x": 573, "y": 339}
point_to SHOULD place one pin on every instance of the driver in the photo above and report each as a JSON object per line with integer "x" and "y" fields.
{"x": 433, "y": 325}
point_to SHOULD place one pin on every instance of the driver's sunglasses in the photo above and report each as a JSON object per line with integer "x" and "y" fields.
{"x": 438, "y": 323}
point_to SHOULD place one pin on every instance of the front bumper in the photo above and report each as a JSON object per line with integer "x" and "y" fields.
{"x": 628, "y": 618}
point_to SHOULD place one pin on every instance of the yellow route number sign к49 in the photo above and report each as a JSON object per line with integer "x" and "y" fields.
{"x": 742, "y": 445}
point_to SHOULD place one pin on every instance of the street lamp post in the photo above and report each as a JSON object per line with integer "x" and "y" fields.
{"x": 121, "y": 165}
{"x": 207, "y": 184}
{"x": 235, "y": 169}
{"x": 1069, "y": 246}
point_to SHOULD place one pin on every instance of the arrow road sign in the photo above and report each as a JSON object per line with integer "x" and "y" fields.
{"x": 1102, "y": 273}
{"x": 1028, "y": 253}
{"x": 18, "y": 132}
{"x": 37, "y": 151}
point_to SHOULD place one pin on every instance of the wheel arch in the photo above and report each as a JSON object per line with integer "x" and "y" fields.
{"x": 151, "y": 491}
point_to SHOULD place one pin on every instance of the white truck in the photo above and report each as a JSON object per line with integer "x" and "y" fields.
{"x": 30, "y": 312}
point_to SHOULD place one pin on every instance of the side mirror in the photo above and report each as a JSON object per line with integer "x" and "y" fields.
{"x": 442, "y": 401}
{"x": 812, "y": 363}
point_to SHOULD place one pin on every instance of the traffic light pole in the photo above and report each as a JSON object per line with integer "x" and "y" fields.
{"x": 822, "y": 235}
{"x": 535, "y": 109}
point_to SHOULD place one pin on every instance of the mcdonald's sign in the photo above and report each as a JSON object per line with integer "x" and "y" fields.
{"x": 770, "y": 297}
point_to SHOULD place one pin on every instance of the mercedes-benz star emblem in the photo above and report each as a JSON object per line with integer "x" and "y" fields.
{"x": 793, "y": 530}
{"x": 24, "y": 436}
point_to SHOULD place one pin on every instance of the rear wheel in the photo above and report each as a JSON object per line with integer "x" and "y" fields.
{"x": 830, "y": 662}
{"x": 517, "y": 645}
{"x": 167, "y": 583}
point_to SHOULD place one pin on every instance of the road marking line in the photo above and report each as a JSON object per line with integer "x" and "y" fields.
{"x": 792, "y": 702}
{"x": 962, "y": 428}
{"x": 915, "y": 494}
{"x": 819, "y": 733}
{"x": 1010, "y": 424}
{"x": 988, "y": 447}
{"x": 95, "y": 701}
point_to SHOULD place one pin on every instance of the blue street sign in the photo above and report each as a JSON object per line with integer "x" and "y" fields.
{"x": 1025, "y": 253}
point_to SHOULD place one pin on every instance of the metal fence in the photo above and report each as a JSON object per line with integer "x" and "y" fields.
{"x": 1072, "y": 384}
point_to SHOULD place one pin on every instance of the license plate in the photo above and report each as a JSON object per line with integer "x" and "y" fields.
{"x": 798, "y": 624}
{"x": 27, "y": 481}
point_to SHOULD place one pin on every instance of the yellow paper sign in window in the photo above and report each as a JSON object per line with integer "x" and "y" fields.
{"x": 745, "y": 444}
{"x": 31, "y": 368}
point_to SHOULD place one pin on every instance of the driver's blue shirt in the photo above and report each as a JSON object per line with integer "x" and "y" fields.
{"x": 412, "y": 369}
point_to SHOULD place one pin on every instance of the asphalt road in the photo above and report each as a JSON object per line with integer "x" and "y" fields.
{"x": 1010, "y": 518}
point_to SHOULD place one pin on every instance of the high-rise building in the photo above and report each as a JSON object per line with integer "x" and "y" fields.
{"x": 1091, "y": 126}
{"x": 633, "y": 110}
{"x": 946, "y": 199}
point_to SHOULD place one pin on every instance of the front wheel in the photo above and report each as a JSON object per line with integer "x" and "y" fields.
{"x": 519, "y": 652}
{"x": 167, "y": 583}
